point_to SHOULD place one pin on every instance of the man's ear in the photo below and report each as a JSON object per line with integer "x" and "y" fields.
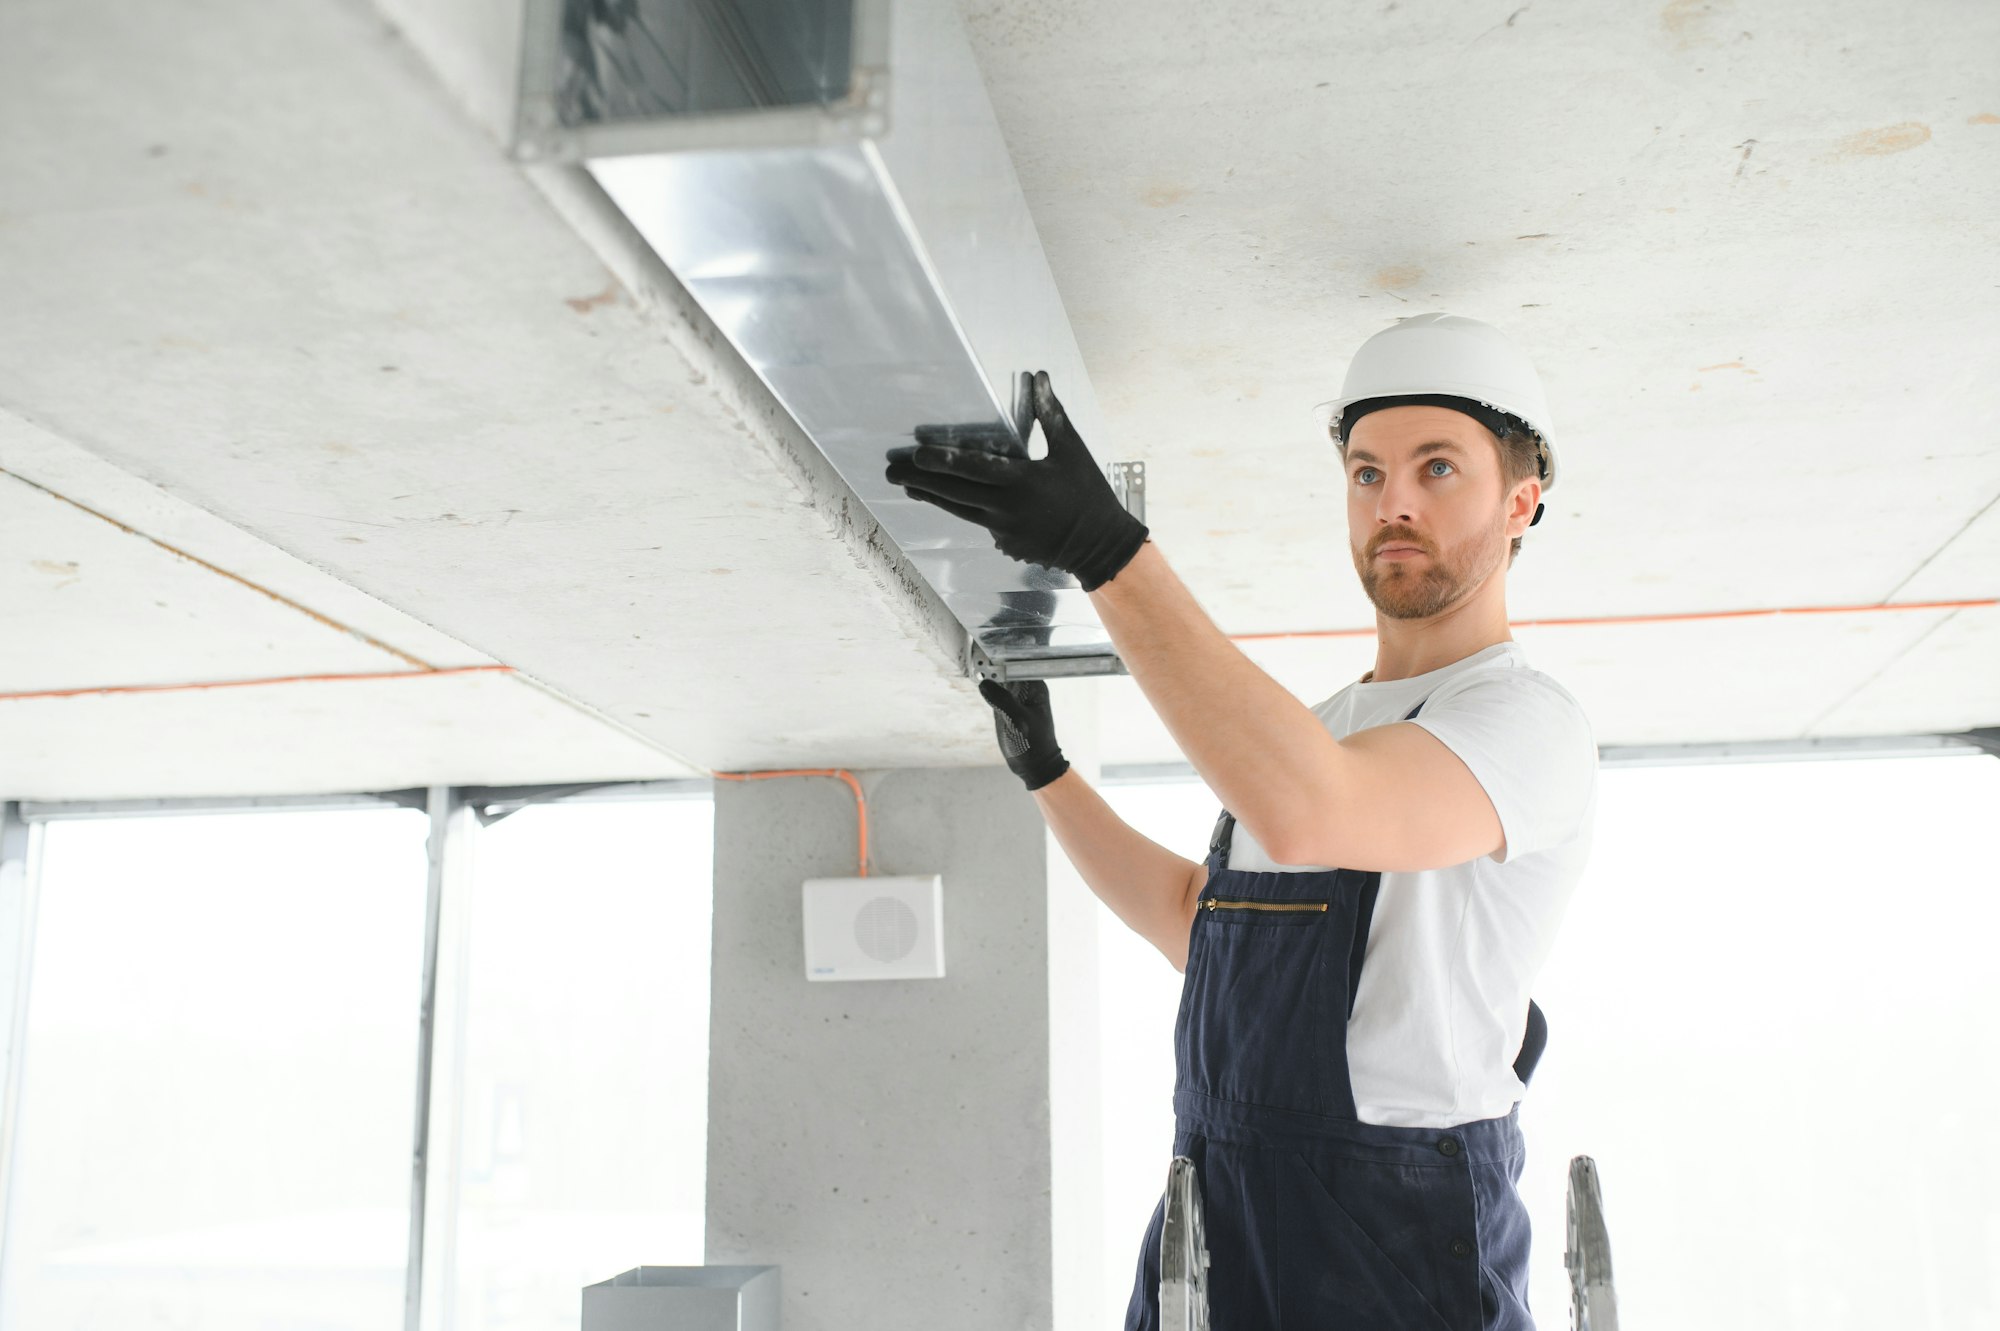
{"x": 1527, "y": 496}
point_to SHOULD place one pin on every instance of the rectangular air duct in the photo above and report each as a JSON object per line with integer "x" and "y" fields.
{"x": 827, "y": 179}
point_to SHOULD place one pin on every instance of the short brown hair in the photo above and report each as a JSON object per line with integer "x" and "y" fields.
{"x": 1520, "y": 460}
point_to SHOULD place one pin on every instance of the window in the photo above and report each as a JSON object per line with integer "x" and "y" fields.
{"x": 216, "y": 1099}
{"x": 583, "y": 1120}
{"x": 218, "y": 1095}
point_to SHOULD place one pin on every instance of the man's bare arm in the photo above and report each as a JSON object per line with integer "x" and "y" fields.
{"x": 1146, "y": 885}
{"x": 1404, "y": 800}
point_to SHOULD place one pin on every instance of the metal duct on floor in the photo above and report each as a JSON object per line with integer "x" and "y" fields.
{"x": 826, "y": 177}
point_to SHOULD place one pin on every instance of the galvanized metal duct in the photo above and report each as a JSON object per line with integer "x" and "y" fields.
{"x": 826, "y": 177}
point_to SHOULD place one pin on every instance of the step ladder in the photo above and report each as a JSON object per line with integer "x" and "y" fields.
{"x": 1184, "y": 1252}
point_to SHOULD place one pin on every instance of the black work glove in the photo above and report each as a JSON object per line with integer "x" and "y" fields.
{"x": 1027, "y": 730}
{"x": 1059, "y": 512}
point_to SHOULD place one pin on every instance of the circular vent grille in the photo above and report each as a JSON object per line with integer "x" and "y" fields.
{"x": 886, "y": 929}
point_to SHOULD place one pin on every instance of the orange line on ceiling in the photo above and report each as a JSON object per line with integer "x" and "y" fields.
{"x": 433, "y": 672}
{"x": 308, "y": 611}
{"x": 429, "y": 673}
{"x": 1650, "y": 619}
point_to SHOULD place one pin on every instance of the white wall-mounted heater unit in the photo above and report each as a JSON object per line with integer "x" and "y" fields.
{"x": 875, "y": 928}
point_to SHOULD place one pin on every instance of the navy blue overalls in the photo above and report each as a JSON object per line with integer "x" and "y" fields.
{"x": 1316, "y": 1221}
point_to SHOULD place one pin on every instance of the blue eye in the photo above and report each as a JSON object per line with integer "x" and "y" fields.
{"x": 1359, "y": 475}
{"x": 1439, "y": 462}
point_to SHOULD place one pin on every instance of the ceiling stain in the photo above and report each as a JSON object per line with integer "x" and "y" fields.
{"x": 1882, "y": 142}
{"x": 585, "y": 304}
{"x": 1397, "y": 276}
{"x": 1164, "y": 196}
{"x": 1983, "y": 118}
{"x": 1726, "y": 365}
{"x": 1686, "y": 21}
{"x": 197, "y": 190}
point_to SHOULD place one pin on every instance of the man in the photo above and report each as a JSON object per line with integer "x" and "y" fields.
{"x": 1391, "y": 866}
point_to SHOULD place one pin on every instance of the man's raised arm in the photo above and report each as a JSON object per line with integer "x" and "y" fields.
{"x": 1146, "y": 885}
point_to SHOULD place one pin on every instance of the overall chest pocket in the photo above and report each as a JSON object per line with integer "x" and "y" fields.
{"x": 1263, "y": 1005}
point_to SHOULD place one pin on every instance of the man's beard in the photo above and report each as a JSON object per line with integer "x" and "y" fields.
{"x": 1431, "y": 583}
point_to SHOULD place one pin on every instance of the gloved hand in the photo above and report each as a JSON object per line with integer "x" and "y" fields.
{"x": 1059, "y": 512}
{"x": 1026, "y": 726}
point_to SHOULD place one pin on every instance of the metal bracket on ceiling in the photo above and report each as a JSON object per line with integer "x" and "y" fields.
{"x": 1985, "y": 739}
{"x": 1128, "y": 482}
{"x": 977, "y": 664}
{"x": 492, "y": 803}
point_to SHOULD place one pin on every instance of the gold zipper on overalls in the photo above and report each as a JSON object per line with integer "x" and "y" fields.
{"x": 1215, "y": 903}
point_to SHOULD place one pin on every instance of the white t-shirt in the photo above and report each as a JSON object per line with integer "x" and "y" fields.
{"x": 1453, "y": 953}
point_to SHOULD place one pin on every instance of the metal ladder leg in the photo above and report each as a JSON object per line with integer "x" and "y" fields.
{"x": 1183, "y": 1253}
{"x": 1593, "y": 1304}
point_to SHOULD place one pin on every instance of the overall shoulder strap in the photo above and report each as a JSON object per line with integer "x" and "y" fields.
{"x": 1219, "y": 835}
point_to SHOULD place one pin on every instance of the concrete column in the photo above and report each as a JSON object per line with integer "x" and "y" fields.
{"x": 912, "y": 1153}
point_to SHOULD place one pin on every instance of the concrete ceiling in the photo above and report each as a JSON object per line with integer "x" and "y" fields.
{"x": 302, "y": 379}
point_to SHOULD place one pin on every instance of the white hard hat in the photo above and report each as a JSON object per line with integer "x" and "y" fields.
{"x": 1433, "y": 355}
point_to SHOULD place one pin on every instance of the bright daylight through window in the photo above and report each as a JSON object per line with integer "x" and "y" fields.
{"x": 220, "y": 1063}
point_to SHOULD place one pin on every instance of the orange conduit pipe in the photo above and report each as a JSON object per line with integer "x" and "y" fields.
{"x": 860, "y": 801}
{"x": 439, "y": 672}
{"x": 428, "y": 673}
{"x": 433, "y": 672}
{"x": 423, "y": 667}
{"x": 1651, "y": 619}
